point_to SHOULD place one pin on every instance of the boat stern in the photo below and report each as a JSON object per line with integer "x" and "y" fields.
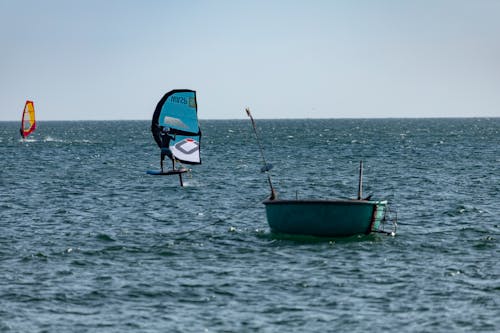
{"x": 379, "y": 211}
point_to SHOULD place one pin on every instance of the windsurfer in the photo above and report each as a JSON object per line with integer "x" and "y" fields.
{"x": 165, "y": 142}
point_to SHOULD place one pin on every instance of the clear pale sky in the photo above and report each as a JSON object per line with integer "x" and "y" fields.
{"x": 114, "y": 59}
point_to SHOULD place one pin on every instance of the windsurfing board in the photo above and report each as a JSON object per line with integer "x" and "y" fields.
{"x": 167, "y": 172}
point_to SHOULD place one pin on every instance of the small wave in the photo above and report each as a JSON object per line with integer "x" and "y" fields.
{"x": 36, "y": 256}
{"x": 463, "y": 209}
{"x": 51, "y": 139}
{"x": 104, "y": 237}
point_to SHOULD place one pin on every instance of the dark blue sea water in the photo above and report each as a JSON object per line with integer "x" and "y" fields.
{"x": 90, "y": 243}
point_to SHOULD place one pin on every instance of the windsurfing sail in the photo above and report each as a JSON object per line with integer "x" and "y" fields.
{"x": 177, "y": 115}
{"x": 28, "y": 122}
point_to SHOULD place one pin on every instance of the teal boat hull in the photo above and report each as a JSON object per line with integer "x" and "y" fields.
{"x": 325, "y": 218}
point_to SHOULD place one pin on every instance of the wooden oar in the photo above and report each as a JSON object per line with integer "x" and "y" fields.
{"x": 267, "y": 167}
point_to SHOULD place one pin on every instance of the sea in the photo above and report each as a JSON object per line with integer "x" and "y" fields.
{"x": 91, "y": 243}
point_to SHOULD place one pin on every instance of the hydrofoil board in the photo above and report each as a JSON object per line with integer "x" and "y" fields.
{"x": 166, "y": 172}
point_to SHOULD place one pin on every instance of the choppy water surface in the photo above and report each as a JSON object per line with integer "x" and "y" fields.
{"x": 89, "y": 242}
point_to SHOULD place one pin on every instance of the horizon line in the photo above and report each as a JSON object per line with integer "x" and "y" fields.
{"x": 293, "y": 118}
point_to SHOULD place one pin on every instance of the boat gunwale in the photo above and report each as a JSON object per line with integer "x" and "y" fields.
{"x": 323, "y": 201}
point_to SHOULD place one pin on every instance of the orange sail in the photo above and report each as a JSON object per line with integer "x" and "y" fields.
{"x": 28, "y": 122}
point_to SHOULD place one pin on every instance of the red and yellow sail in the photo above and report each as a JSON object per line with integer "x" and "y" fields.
{"x": 28, "y": 122}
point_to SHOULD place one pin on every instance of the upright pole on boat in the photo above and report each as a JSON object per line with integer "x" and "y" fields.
{"x": 266, "y": 167}
{"x": 360, "y": 184}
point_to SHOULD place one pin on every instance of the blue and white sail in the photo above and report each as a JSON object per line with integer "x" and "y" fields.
{"x": 177, "y": 113}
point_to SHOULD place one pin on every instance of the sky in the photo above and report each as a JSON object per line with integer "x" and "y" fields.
{"x": 115, "y": 59}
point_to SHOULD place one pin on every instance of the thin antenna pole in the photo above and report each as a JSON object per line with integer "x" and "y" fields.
{"x": 360, "y": 185}
{"x": 273, "y": 192}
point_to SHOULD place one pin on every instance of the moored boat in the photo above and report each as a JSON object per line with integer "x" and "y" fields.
{"x": 327, "y": 217}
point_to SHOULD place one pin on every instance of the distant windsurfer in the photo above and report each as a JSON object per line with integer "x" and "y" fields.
{"x": 165, "y": 143}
